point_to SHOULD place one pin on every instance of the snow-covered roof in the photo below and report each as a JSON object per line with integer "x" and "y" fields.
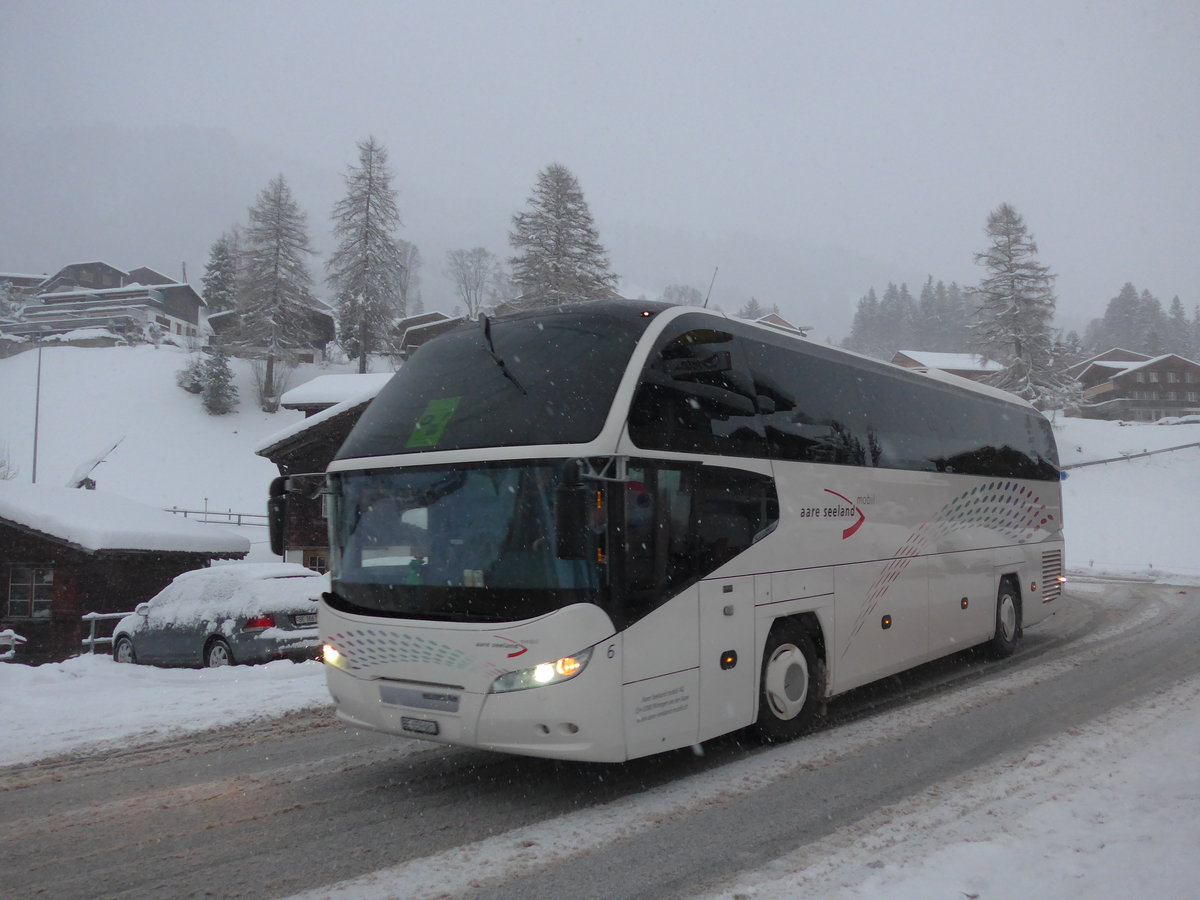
{"x": 280, "y": 437}
{"x": 971, "y": 362}
{"x": 326, "y": 390}
{"x": 133, "y": 288}
{"x": 95, "y": 520}
{"x": 1133, "y": 367}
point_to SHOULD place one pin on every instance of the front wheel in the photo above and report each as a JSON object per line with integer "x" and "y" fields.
{"x": 791, "y": 685}
{"x": 217, "y": 653}
{"x": 1008, "y": 621}
{"x": 123, "y": 650}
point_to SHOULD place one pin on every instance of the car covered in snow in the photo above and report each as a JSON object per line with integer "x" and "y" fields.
{"x": 236, "y": 613}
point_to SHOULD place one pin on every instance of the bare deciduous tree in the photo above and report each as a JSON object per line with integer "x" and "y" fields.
{"x": 472, "y": 272}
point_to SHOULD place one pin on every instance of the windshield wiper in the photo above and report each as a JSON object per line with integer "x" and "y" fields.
{"x": 487, "y": 334}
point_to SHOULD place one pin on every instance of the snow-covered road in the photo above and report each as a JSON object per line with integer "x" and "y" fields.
{"x": 891, "y": 797}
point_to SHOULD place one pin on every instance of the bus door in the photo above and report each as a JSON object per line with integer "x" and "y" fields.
{"x": 727, "y": 658}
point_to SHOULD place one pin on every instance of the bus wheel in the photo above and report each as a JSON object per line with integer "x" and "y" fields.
{"x": 1008, "y": 621}
{"x": 791, "y": 686}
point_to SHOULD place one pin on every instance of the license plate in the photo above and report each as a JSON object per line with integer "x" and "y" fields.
{"x": 305, "y": 619}
{"x": 418, "y": 726}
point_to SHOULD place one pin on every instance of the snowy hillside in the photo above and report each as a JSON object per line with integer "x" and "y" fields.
{"x": 172, "y": 453}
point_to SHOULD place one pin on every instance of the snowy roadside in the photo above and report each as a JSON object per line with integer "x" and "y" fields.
{"x": 91, "y": 702}
{"x": 1113, "y": 813}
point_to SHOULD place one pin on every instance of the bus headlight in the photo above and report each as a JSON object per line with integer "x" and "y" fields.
{"x": 562, "y": 669}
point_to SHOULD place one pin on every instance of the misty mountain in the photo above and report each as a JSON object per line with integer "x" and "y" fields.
{"x": 159, "y": 196}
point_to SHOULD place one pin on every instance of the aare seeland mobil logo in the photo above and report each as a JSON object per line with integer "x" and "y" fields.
{"x": 850, "y": 510}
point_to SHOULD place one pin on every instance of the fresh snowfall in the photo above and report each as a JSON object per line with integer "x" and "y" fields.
{"x": 1114, "y": 813}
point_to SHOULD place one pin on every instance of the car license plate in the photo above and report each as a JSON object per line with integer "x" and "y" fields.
{"x": 418, "y": 726}
{"x": 305, "y": 619}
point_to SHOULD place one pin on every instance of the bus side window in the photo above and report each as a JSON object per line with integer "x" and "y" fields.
{"x": 697, "y": 397}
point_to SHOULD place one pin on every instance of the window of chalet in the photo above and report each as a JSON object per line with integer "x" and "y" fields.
{"x": 1154, "y": 378}
{"x": 1141, "y": 377}
{"x": 30, "y": 590}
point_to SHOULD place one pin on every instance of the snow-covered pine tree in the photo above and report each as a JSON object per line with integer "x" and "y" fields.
{"x": 276, "y": 286}
{"x": 753, "y": 310}
{"x": 864, "y": 331}
{"x": 219, "y": 394}
{"x": 559, "y": 258}
{"x": 366, "y": 268}
{"x": 1014, "y": 308}
{"x": 219, "y": 284}
{"x": 191, "y": 376}
{"x": 1179, "y": 331}
{"x": 471, "y": 271}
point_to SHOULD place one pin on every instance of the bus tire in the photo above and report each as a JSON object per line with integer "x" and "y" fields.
{"x": 791, "y": 685}
{"x": 1008, "y": 621}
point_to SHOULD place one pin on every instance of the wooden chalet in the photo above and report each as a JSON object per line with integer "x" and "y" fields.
{"x": 1123, "y": 384}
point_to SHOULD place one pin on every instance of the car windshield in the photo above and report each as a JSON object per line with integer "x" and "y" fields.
{"x": 454, "y": 543}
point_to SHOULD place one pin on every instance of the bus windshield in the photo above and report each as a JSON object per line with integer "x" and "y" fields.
{"x": 462, "y": 543}
{"x": 533, "y": 378}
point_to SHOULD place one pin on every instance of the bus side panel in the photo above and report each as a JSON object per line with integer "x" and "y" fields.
{"x": 882, "y": 619}
{"x": 962, "y": 601}
{"x": 661, "y": 677}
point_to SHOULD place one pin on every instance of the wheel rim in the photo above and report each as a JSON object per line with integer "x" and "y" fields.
{"x": 124, "y": 651}
{"x": 1007, "y": 616}
{"x": 786, "y": 681}
{"x": 218, "y": 655}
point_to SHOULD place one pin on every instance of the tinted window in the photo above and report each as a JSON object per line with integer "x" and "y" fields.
{"x": 559, "y": 374}
{"x": 695, "y": 396}
{"x": 683, "y": 522}
{"x": 819, "y": 407}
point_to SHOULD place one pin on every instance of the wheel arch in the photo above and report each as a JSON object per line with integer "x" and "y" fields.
{"x": 810, "y": 623}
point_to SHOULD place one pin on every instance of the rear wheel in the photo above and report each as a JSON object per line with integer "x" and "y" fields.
{"x": 217, "y": 653}
{"x": 792, "y": 683}
{"x": 1008, "y": 621}
{"x": 123, "y": 650}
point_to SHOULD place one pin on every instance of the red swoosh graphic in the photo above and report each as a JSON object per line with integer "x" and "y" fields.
{"x": 523, "y": 649}
{"x": 848, "y": 532}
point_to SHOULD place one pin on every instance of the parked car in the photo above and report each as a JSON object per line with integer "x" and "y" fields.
{"x": 237, "y": 613}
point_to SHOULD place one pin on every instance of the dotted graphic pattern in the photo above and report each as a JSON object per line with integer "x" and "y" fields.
{"x": 1016, "y": 512}
{"x": 368, "y": 647}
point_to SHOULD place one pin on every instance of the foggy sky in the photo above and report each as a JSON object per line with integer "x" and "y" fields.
{"x": 890, "y": 129}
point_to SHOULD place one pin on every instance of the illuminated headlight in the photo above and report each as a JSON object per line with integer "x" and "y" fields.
{"x": 563, "y": 669}
{"x": 332, "y": 657}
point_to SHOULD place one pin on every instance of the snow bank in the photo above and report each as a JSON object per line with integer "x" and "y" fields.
{"x": 91, "y": 701}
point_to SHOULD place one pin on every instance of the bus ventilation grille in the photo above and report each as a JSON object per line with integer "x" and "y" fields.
{"x": 1052, "y": 569}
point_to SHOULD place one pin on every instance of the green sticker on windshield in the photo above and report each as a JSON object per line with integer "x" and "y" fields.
{"x": 432, "y": 423}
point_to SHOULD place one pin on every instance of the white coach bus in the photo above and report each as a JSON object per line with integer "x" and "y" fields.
{"x": 613, "y": 529}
